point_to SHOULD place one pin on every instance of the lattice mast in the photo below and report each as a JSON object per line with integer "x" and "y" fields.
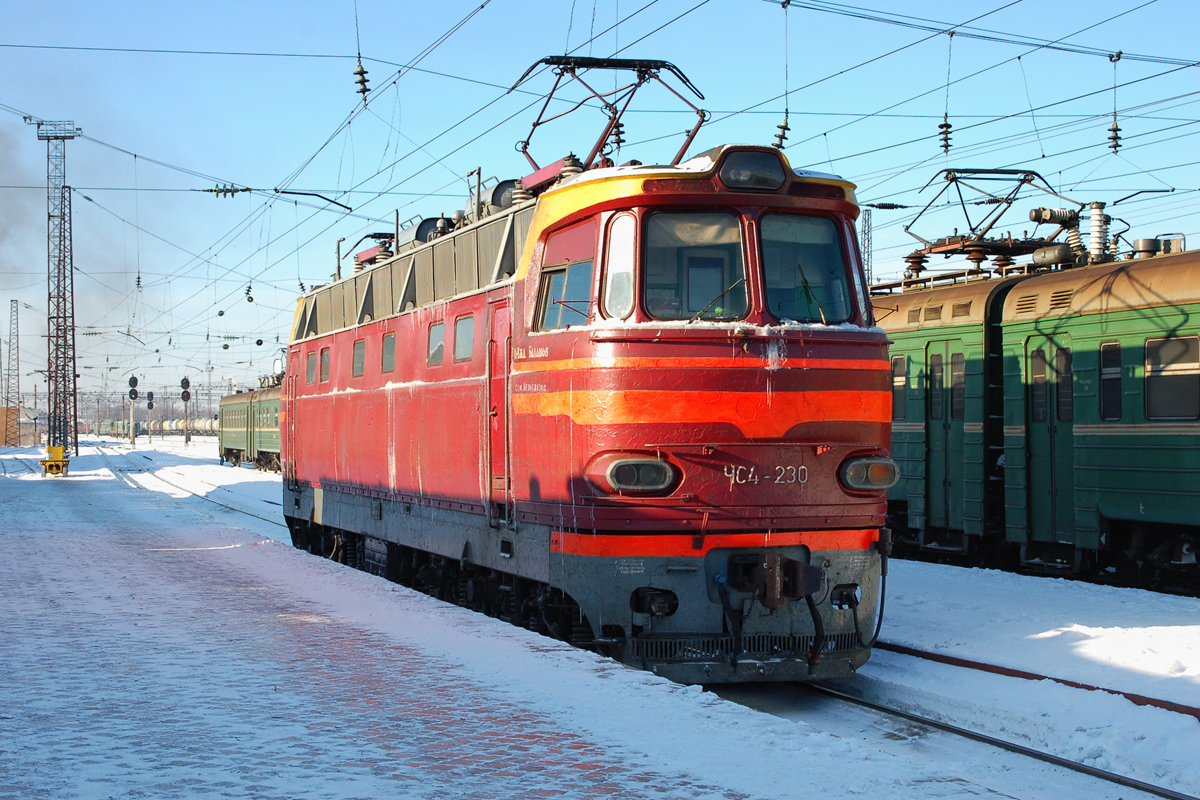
{"x": 867, "y": 245}
{"x": 62, "y": 402}
{"x": 12, "y": 384}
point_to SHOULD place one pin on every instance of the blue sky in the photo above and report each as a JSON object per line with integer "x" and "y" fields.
{"x": 866, "y": 97}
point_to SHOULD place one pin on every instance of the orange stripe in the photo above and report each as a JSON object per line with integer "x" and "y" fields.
{"x": 701, "y": 363}
{"x": 758, "y": 415}
{"x": 682, "y": 545}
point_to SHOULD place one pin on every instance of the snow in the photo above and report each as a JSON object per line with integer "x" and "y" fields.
{"x": 157, "y": 644}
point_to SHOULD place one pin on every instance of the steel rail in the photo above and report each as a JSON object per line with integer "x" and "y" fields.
{"x": 138, "y": 468}
{"x": 965, "y": 663}
{"x": 1049, "y": 758}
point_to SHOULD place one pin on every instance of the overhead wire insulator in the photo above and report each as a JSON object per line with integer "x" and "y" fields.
{"x": 617, "y": 138}
{"x": 1114, "y": 135}
{"x": 781, "y": 137}
{"x": 945, "y": 127}
{"x": 361, "y": 80}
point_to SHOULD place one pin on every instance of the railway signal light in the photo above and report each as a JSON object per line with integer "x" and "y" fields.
{"x": 185, "y": 384}
{"x": 133, "y": 392}
{"x": 150, "y": 396}
{"x": 149, "y": 405}
{"x": 185, "y": 395}
{"x": 132, "y": 382}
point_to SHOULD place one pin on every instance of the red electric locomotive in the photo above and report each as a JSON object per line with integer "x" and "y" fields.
{"x": 641, "y": 408}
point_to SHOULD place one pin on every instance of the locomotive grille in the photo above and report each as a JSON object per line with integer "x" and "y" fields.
{"x": 1061, "y": 299}
{"x": 710, "y": 648}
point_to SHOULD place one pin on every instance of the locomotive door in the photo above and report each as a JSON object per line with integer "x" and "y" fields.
{"x": 1049, "y": 437}
{"x": 286, "y": 407}
{"x": 945, "y": 411}
{"x": 497, "y": 406}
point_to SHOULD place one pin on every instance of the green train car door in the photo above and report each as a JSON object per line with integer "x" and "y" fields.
{"x": 1050, "y": 404}
{"x": 945, "y": 368}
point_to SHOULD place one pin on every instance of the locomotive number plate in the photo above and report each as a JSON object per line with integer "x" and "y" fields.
{"x": 782, "y": 474}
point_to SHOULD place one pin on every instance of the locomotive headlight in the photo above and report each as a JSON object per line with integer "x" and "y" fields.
{"x": 639, "y": 475}
{"x": 632, "y": 473}
{"x": 869, "y": 474}
{"x": 752, "y": 171}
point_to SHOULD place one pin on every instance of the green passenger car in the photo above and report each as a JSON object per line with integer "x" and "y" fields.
{"x": 250, "y": 428}
{"x": 1053, "y": 416}
{"x": 1102, "y": 415}
{"x": 945, "y": 391}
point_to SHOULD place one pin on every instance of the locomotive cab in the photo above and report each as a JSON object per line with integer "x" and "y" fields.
{"x": 698, "y": 367}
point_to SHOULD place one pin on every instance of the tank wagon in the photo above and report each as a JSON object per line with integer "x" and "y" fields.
{"x": 249, "y": 428}
{"x": 1051, "y": 419}
{"x": 641, "y": 408}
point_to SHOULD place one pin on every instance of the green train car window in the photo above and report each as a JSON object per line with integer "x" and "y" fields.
{"x": 899, "y": 388}
{"x": 937, "y": 400}
{"x": 1064, "y": 390}
{"x": 360, "y": 357}
{"x": 388, "y": 358}
{"x": 958, "y": 385}
{"x": 1110, "y": 381}
{"x": 310, "y": 369}
{"x": 325, "y": 365}
{"x": 1173, "y": 378}
{"x": 1037, "y": 386}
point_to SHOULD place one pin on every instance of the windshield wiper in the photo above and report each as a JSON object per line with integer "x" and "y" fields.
{"x": 728, "y": 289}
{"x": 808, "y": 293}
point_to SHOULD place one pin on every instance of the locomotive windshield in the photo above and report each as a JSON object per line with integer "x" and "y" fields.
{"x": 805, "y": 269}
{"x": 694, "y": 266}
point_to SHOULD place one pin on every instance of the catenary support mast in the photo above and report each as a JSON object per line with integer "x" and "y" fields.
{"x": 12, "y": 384}
{"x": 63, "y": 409}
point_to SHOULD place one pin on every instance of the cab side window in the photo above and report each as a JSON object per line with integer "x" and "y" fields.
{"x": 566, "y": 292}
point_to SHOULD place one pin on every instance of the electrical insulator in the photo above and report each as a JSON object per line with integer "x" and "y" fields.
{"x": 945, "y": 133}
{"x": 249, "y": 297}
{"x": 618, "y": 135}
{"x": 361, "y": 80}
{"x": 1114, "y": 135}
{"x": 781, "y": 137}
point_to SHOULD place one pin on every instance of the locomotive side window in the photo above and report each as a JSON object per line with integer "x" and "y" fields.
{"x": 325, "y": 365}
{"x": 1110, "y": 381}
{"x": 694, "y": 266}
{"x": 805, "y": 269}
{"x": 566, "y": 297}
{"x": 1037, "y": 386}
{"x": 958, "y": 385}
{"x": 618, "y": 279}
{"x": 899, "y": 387}
{"x": 360, "y": 357}
{"x": 937, "y": 397}
{"x": 464, "y": 338}
{"x": 310, "y": 368}
{"x": 437, "y": 343}
{"x": 1173, "y": 378}
{"x": 1064, "y": 390}
{"x": 387, "y": 362}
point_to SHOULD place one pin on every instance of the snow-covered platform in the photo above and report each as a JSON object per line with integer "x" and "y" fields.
{"x": 155, "y": 644}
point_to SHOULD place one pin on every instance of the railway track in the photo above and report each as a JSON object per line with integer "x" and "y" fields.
{"x": 966, "y": 733}
{"x": 829, "y": 691}
{"x": 138, "y": 468}
{"x": 4, "y": 464}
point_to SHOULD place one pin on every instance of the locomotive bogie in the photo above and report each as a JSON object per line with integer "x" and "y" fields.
{"x": 612, "y": 582}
